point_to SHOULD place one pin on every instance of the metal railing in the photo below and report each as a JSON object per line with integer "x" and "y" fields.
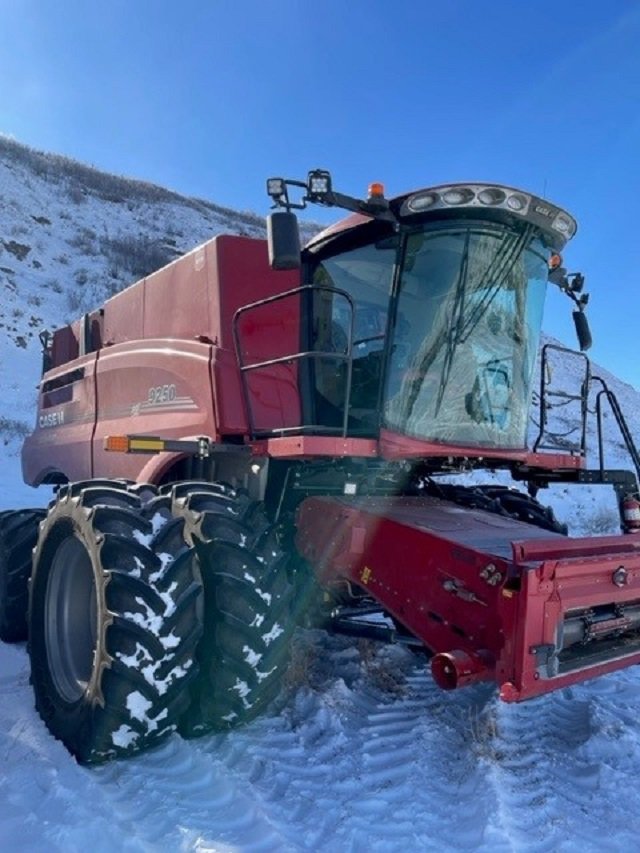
{"x": 606, "y": 393}
{"x": 304, "y": 355}
{"x": 554, "y": 399}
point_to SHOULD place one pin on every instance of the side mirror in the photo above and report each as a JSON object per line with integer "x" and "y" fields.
{"x": 582, "y": 330}
{"x": 283, "y": 239}
{"x": 46, "y": 340}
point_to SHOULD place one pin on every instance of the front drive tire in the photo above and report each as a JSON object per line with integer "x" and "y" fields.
{"x": 113, "y": 626}
{"x": 249, "y": 619}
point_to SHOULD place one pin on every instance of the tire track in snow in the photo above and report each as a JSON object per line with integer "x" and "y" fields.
{"x": 177, "y": 799}
{"x": 365, "y": 754}
{"x": 547, "y": 760}
{"x": 46, "y": 800}
{"x": 355, "y": 764}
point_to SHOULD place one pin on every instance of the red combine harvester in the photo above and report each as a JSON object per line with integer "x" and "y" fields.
{"x": 257, "y": 435}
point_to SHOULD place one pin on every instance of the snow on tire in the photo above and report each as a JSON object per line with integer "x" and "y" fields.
{"x": 245, "y": 646}
{"x": 18, "y": 534}
{"x": 113, "y": 625}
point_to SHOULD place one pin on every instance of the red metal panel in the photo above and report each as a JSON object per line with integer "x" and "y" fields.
{"x": 124, "y": 315}
{"x": 422, "y": 558}
{"x": 227, "y": 391}
{"x": 474, "y": 585}
{"x": 297, "y": 446}
{"x": 269, "y": 331}
{"x": 240, "y": 274}
{"x": 240, "y": 269}
{"x": 65, "y": 419}
{"x": 64, "y": 346}
{"x": 151, "y": 388}
{"x": 275, "y": 397}
{"x": 397, "y": 446}
{"x": 177, "y": 301}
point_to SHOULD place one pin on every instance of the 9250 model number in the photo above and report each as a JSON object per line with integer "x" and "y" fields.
{"x": 161, "y": 394}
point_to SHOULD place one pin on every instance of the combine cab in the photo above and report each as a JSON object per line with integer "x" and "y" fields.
{"x": 257, "y": 436}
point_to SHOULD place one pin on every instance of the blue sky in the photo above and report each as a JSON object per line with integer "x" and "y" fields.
{"x": 209, "y": 98}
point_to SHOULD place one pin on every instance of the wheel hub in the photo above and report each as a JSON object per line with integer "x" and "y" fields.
{"x": 71, "y": 619}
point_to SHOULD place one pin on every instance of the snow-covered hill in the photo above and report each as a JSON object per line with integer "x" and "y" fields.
{"x": 362, "y": 751}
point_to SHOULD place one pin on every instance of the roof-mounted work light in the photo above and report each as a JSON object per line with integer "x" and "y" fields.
{"x": 276, "y": 187}
{"x": 318, "y": 185}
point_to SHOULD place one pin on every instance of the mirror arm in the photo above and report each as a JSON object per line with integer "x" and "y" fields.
{"x": 572, "y": 284}
{"x": 283, "y": 199}
{"x": 370, "y": 207}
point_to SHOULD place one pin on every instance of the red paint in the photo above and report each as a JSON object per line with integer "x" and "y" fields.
{"x": 455, "y": 669}
{"x": 631, "y": 514}
{"x": 397, "y": 446}
{"x": 171, "y": 330}
{"x": 423, "y": 559}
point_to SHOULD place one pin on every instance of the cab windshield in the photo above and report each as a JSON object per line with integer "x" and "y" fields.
{"x": 444, "y": 350}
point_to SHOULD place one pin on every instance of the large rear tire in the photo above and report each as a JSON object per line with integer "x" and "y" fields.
{"x": 113, "y": 625}
{"x": 18, "y": 535}
{"x": 245, "y": 646}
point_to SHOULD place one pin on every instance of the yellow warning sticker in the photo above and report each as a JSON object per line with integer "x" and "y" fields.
{"x": 365, "y": 575}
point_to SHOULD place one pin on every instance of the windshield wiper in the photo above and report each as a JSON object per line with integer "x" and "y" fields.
{"x": 453, "y": 337}
{"x": 507, "y": 255}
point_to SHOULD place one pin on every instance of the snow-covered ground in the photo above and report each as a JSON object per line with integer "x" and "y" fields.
{"x": 361, "y": 752}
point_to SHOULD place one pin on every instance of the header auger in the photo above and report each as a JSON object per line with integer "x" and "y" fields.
{"x": 256, "y": 436}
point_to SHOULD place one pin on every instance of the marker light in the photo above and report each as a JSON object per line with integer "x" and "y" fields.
{"x": 376, "y": 190}
{"x": 117, "y": 443}
{"x": 146, "y": 444}
{"x": 555, "y": 261}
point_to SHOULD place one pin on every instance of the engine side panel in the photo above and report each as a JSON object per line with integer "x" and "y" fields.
{"x": 152, "y": 387}
{"x": 60, "y": 445}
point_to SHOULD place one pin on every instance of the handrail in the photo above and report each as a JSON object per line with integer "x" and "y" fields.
{"x": 621, "y": 421}
{"x": 346, "y": 356}
{"x": 566, "y": 397}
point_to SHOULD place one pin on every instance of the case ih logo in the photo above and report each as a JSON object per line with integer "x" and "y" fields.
{"x": 52, "y": 419}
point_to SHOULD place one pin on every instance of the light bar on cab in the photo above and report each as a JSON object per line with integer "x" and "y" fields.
{"x": 489, "y": 196}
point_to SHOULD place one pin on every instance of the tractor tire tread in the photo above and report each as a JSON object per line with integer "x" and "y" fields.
{"x": 149, "y": 619}
{"x": 18, "y": 535}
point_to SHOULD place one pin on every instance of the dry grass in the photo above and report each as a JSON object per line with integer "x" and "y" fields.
{"x": 484, "y": 734}
{"x": 380, "y": 670}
